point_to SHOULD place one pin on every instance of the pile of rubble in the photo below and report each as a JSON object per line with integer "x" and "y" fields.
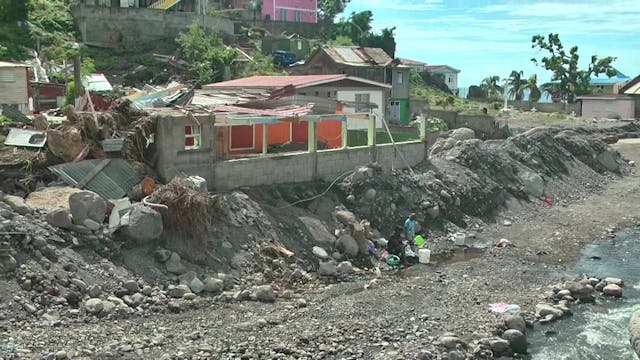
{"x": 122, "y": 131}
{"x": 467, "y": 178}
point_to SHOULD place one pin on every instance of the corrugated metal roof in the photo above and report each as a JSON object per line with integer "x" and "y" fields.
{"x": 633, "y": 89}
{"x": 96, "y": 83}
{"x": 272, "y": 82}
{"x": 113, "y": 181}
{"x": 605, "y": 80}
{"x": 358, "y": 56}
{"x": 440, "y": 68}
{"x": 6, "y": 64}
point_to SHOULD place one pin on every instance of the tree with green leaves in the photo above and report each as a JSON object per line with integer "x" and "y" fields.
{"x": 357, "y": 27}
{"x": 208, "y": 57}
{"x": 516, "y": 85}
{"x": 491, "y": 86}
{"x": 564, "y": 65}
{"x": 534, "y": 92}
{"x": 12, "y": 11}
{"x": 552, "y": 89}
{"x": 329, "y": 9}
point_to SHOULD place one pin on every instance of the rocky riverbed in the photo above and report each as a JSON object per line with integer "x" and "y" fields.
{"x": 261, "y": 292}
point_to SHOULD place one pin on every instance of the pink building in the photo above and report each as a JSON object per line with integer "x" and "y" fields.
{"x": 305, "y": 11}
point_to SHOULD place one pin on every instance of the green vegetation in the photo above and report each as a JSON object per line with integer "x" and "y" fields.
{"x": 329, "y": 9}
{"x": 438, "y": 98}
{"x": 564, "y": 66}
{"x": 261, "y": 65}
{"x": 206, "y": 54}
{"x": 49, "y": 23}
{"x": 491, "y": 87}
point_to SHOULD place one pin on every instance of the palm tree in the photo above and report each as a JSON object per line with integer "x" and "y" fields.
{"x": 553, "y": 89}
{"x": 516, "y": 85}
{"x": 491, "y": 86}
{"x": 532, "y": 86}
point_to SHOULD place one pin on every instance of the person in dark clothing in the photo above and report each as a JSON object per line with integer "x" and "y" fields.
{"x": 395, "y": 245}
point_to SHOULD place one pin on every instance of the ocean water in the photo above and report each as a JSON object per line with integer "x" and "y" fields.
{"x": 597, "y": 331}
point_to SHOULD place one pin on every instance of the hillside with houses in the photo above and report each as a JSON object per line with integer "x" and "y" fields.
{"x": 239, "y": 179}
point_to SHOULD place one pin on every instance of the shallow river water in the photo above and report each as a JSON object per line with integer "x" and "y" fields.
{"x": 597, "y": 331}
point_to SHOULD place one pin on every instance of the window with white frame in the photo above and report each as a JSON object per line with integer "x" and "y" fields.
{"x": 362, "y": 103}
{"x": 283, "y": 14}
{"x": 296, "y": 16}
{"x": 399, "y": 77}
{"x": 192, "y": 137}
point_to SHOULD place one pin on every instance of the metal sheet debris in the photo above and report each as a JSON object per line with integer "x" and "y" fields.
{"x": 109, "y": 178}
{"x": 26, "y": 138}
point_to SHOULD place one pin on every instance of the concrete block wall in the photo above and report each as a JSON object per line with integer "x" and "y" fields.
{"x": 414, "y": 152}
{"x": 334, "y": 162}
{"x": 294, "y": 167}
{"x": 299, "y": 167}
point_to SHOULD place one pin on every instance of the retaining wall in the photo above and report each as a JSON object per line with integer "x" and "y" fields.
{"x": 112, "y": 27}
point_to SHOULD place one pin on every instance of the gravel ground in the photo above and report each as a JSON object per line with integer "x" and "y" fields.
{"x": 399, "y": 314}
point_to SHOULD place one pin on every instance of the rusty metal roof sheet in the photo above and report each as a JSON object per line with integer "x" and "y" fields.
{"x": 109, "y": 178}
{"x": 358, "y": 56}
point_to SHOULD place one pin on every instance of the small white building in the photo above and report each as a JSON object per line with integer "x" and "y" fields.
{"x": 607, "y": 106}
{"x": 14, "y": 85}
{"x": 449, "y": 75}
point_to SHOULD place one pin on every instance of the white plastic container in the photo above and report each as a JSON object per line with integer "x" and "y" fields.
{"x": 459, "y": 238}
{"x": 424, "y": 256}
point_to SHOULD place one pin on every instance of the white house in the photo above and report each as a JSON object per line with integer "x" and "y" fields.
{"x": 359, "y": 95}
{"x": 449, "y": 75}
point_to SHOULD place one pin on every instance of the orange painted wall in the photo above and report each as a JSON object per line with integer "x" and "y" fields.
{"x": 329, "y": 132}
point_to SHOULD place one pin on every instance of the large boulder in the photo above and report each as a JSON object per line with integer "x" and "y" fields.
{"x": 346, "y": 217}
{"x": 265, "y": 293}
{"x": 318, "y": 231}
{"x": 517, "y": 340}
{"x": 360, "y": 235}
{"x": 87, "y": 205}
{"x": 462, "y": 134}
{"x": 93, "y": 306}
{"x": 7, "y": 263}
{"x": 533, "y": 183}
{"x": 213, "y": 285}
{"x": 144, "y": 224}
{"x": 347, "y": 245}
{"x": 16, "y": 204}
{"x": 59, "y": 218}
{"x": 174, "y": 265}
{"x": 542, "y": 310}
{"x": 328, "y": 268}
{"x": 612, "y": 290}
{"x": 515, "y": 322}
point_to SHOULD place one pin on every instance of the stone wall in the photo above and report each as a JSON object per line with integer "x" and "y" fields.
{"x": 113, "y": 27}
{"x": 485, "y": 126}
{"x": 545, "y": 107}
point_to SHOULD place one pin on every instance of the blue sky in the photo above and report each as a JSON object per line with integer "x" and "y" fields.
{"x": 493, "y": 37}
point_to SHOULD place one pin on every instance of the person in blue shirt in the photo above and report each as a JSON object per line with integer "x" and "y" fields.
{"x": 410, "y": 228}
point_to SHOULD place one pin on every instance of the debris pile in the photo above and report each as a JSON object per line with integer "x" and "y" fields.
{"x": 187, "y": 211}
{"x": 470, "y": 178}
